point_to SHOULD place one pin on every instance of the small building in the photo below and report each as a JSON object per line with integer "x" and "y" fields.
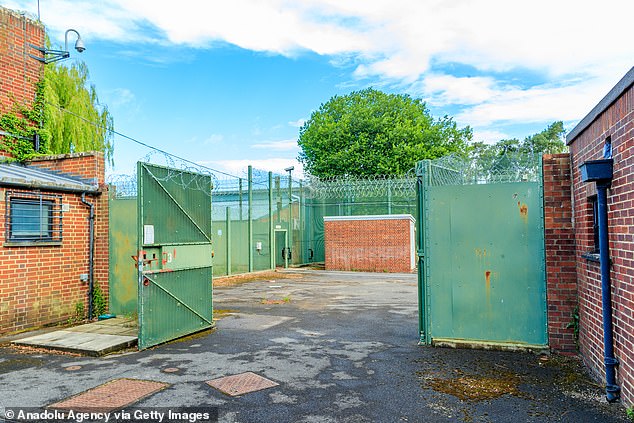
{"x": 381, "y": 243}
{"x": 45, "y": 239}
{"x": 608, "y": 128}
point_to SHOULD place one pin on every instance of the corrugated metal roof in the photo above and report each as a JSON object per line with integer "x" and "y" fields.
{"x": 16, "y": 175}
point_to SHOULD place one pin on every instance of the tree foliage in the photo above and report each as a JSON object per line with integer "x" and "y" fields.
{"x": 369, "y": 132}
{"x": 66, "y": 115}
{"x": 512, "y": 152}
{"x": 73, "y": 117}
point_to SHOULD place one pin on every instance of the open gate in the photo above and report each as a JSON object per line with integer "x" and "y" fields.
{"x": 174, "y": 253}
{"x": 481, "y": 259}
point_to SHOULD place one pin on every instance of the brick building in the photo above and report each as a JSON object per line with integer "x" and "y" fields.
{"x": 19, "y": 73}
{"x": 44, "y": 224}
{"x": 611, "y": 123}
{"x": 44, "y": 238}
{"x": 370, "y": 243}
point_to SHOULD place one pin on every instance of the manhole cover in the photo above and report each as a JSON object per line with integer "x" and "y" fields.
{"x": 171, "y": 370}
{"x": 110, "y": 396}
{"x": 242, "y": 383}
{"x": 72, "y": 368}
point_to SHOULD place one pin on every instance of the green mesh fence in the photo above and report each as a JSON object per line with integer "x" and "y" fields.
{"x": 457, "y": 170}
{"x": 263, "y": 220}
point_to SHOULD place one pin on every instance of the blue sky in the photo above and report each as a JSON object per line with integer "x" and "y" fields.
{"x": 228, "y": 83}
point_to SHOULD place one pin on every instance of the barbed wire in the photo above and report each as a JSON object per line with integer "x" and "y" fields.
{"x": 349, "y": 187}
{"x": 507, "y": 167}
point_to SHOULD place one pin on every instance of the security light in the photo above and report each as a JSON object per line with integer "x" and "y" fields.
{"x": 289, "y": 169}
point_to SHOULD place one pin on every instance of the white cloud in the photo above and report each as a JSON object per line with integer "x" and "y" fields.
{"x": 399, "y": 41}
{"x": 489, "y": 136}
{"x": 536, "y": 104}
{"x": 441, "y": 90}
{"x": 280, "y": 145}
{"x": 393, "y": 38}
{"x": 297, "y": 123}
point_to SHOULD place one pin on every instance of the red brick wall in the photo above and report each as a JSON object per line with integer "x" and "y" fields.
{"x": 561, "y": 275}
{"x": 18, "y": 72}
{"x": 616, "y": 121}
{"x": 40, "y": 285}
{"x": 88, "y": 166}
{"x": 369, "y": 243}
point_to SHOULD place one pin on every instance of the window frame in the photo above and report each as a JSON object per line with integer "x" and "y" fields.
{"x": 47, "y": 218}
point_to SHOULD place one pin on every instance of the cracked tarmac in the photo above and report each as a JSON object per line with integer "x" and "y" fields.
{"x": 343, "y": 348}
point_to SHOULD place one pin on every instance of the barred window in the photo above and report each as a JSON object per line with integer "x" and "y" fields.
{"x": 33, "y": 217}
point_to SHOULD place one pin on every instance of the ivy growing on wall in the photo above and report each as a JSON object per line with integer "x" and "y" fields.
{"x": 66, "y": 115}
{"x": 22, "y": 124}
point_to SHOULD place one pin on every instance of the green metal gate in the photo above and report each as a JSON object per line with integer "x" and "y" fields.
{"x": 174, "y": 253}
{"x": 481, "y": 265}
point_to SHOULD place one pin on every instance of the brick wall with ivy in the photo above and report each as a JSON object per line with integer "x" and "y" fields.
{"x": 19, "y": 73}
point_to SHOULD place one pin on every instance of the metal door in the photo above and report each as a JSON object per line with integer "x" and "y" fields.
{"x": 482, "y": 274}
{"x": 281, "y": 248}
{"x": 175, "y": 253}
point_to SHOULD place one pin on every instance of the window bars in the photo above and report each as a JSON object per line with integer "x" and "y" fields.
{"x": 33, "y": 217}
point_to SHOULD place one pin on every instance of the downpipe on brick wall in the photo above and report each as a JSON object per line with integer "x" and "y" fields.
{"x": 91, "y": 252}
{"x": 612, "y": 390}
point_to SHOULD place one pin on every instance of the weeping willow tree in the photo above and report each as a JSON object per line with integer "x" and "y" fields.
{"x": 66, "y": 116}
{"x": 73, "y": 118}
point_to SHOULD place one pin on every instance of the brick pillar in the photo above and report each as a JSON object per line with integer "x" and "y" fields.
{"x": 561, "y": 276}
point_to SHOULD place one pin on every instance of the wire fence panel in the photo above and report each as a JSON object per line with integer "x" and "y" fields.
{"x": 263, "y": 220}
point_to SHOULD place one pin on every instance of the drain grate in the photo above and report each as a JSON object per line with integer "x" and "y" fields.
{"x": 110, "y": 396}
{"x": 242, "y": 383}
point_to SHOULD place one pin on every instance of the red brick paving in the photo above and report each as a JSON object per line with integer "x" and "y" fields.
{"x": 110, "y": 396}
{"x": 240, "y": 384}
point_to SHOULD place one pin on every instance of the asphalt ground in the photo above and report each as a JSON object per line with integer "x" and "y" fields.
{"x": 342, "y": 347}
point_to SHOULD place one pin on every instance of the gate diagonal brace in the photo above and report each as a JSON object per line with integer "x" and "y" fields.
{"x": 179, "y": 206}
{"x": 176, "y": 298}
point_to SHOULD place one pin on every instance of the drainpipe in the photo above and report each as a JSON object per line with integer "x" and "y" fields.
{"x": 611, "y": 388}
{"x": 91, "y": 252}
{"x": 600, "y": 172}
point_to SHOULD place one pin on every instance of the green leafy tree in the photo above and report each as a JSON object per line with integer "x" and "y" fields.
{"x": 66, "y": 115}
{"x": 504, "y": 155}
{"x": 73, "y": 117}
{"x": 370, "y": 132}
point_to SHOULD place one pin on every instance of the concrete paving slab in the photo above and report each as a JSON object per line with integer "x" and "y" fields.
{"x": 93, "y": 344}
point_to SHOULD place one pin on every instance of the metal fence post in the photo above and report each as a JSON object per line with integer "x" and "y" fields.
{"x": 271, "y": 230}
{"x": 228, "y": 236}
{"x": 422, "y": 173}
{"x": 290, "y": 218}
{"x": 300, "y": 232}
{"x": 250, "y": 217}
{"x": 240, "y": 197}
